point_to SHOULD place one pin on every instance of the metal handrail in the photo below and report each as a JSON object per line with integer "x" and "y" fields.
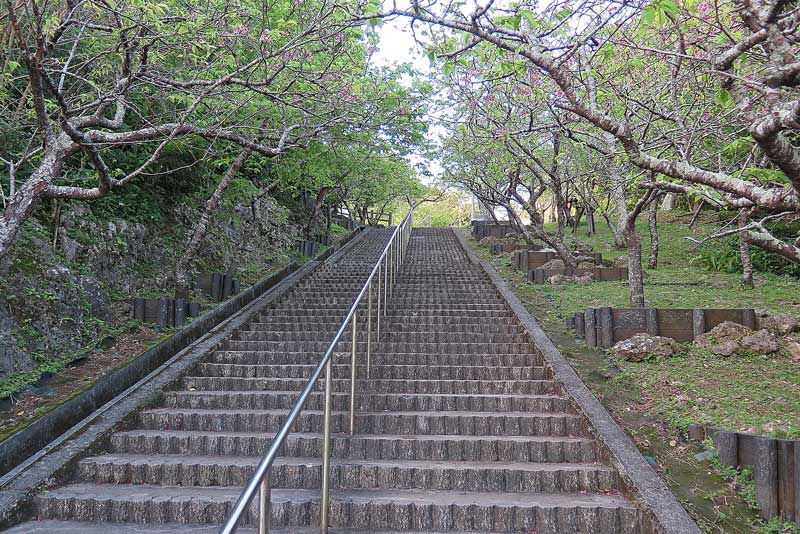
{"x": 386, "y": 268}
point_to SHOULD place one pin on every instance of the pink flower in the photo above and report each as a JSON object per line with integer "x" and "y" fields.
{"x": 703, "y": 7}
{"x": 707, "y": 116}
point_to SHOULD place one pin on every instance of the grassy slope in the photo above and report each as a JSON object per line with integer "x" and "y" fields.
{"x": 748, "y": 392}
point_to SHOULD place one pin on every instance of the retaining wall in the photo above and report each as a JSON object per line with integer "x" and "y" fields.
{"x": 600, "y": 274}
{"x": 605, "y": 326}
{"x": 490, "y": 230}
{"x": 775, "y": 464}
{"x": 164, "y": 311}
{"x": 533, "y": 259}
{"x": 218, "y": 286}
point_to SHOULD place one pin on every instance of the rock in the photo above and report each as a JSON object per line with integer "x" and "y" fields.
{"x": 724, "y": 339}
{"x": 780, "y": 326}
{"x": 726, "y": 348}
{"x": 761, "y": 342}
{"x": 621, "y": 261}
{"x": 69, "y": 247}
{"x": 640, "y": 347}
{"x": 557, "y": 279}
{"x": 586, "y": 278}
{"x": 489, "y": 241}
{"x": 586, "y": 265}
{"x": 793, "y": 347}
{"x": 554, "y": 265}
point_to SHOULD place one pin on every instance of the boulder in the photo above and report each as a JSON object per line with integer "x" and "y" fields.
{"x": 554, "y": 264}
{"x": 728, "y": 338}
{"x": 620, "y": 261}
{"x": 723, "y": 337}
{"x": 586, "y": 265}
{"x": 780, "y": 326}
{"x": 586, "y": 278}
{"x": 760, "y": 342}
{"x": 793, "y": 347}
{"x": 489, "y": 241}
{"x": 640, "y": 347}
{"x": 557, "y": 279}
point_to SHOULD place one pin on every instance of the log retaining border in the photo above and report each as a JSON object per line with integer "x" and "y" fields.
{"x": 603, "y": 327}
{"x": 775, "y": 464}
{"x": 599, "y": 274}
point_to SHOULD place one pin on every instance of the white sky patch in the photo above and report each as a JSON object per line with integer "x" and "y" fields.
{"x": 397, "y": 46}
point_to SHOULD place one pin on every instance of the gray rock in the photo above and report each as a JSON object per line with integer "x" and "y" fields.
{"x": 779, "y": 325}
{"x": 760, "y": 342}
{"x": 554, "y": 264}
{"x": 724, "y": 339}
{"x": 640, "y": 347}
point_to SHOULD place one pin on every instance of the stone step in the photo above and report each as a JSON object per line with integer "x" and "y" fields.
{"x": 489, "y": 387}
{"x": 418, "y": 372}
{"x": 344, "y": 346}
{"x": 387, "y": 336}
{"x": 387, "y": 447}
{"x": 306, "y": 473}
{"x": 378, "y": 358}
{"x": 253, "y": 400}
{"x": 428, "y": 422}
{"x": 372, "y": 509}
{"x": 79, "y": 527}
{"x": 395, "y": 325}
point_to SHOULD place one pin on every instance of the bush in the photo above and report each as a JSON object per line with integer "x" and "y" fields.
{"x": 723, "y": 255}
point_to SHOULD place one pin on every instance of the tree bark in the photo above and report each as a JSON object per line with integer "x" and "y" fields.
{"x": 619, "y": 195}
{"x": 744, "y": 250}
{"x": 198, "y": 234}
{"x": 652, "y": 219}
{"x": 635, "y": 272}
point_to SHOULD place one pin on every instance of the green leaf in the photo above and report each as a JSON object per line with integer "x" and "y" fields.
{"x": 723, "y": 98}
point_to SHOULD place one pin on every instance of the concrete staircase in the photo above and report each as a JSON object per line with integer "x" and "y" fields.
{"x": 461, "y": 427}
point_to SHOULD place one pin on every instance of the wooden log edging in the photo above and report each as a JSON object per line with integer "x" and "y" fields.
{"x": 218, "y": 286}
{"x": 308, "y": 248}
{"x": 164, "y": 311}
{"x": 775, "y": 464}
{"x": 600, "y": 274}
{"x": 490, "y": 230}
{"x": 533, "y": 258}
{"x": 605, "y": 326}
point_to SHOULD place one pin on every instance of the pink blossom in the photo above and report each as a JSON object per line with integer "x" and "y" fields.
{"x": 707, "y": 116}
{"x": 703, "y": 7}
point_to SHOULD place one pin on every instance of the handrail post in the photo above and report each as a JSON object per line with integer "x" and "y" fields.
{"x": 385, "y": 283}
{"x": 380, "y": 268}
{"x": 264, "y": 506}
{"x": 369, "y": 327}
{"x": 326, "y": 449}
{"x": 353, "y": 379}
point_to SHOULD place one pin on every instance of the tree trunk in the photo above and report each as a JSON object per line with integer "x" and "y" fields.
{"x": 200, "y": 231}
{"x": 744, "y": 250}
{"x": 590, "y": 222}
{"x": 668, "y": 203}
{"x": 652, "y": 220}
{"x": 635, "y": 271}
{"x": 315, "y": 211}
{"x": 24, "y": 201}
{"x": 619, "y": 195}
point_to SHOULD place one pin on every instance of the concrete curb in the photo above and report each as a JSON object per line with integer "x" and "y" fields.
{"x": 648, "y": 488}
{"x": 53, "y": 459}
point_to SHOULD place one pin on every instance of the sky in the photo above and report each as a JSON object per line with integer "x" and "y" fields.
{"x": 397, "y": 46}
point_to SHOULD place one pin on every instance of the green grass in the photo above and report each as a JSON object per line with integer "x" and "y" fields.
{"x": 742, "y": 392}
